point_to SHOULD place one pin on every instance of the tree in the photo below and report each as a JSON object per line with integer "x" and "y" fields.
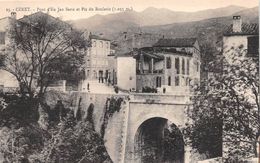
{"x": 226, "y": 105}
{"x": 73, "y": 141}
{"x": 42, "y": 49}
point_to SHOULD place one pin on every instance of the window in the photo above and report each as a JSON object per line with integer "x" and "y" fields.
{"x": 253, "y": 45}
{"x": 198, "y": 66}
{"x": 188, "y": 67}
{"x": 168, "y": 63}
{"x": 183, "y": 66}
{"x": 169, "y": 81}
{"x": 107, "y": 45}
{"x": 2, "y": 37}
{"x": 177, "y": 80}
{"x": 101, "y": 44}
{"x": 177, "y": 65}
{"x": 158, "y": 81}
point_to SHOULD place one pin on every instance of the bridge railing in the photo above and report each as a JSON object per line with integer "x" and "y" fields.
{"x": 154, "y": 98}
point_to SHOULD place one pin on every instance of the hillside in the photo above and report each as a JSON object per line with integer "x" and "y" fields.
{"x": 130, "y": 30}
{"x": 207, "y": 31}
{"x": 150, "y": 16}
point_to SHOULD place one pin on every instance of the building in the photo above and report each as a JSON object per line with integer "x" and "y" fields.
{"x": 98, "y": 58}
{"x": 242, "y": 36}
{"x": 7, "y": 80}
{"x": 241, "y": 40}
{"x": 126, "y": 72}
{"x": 100, "y": 67}
{"x": 170, "y": 66}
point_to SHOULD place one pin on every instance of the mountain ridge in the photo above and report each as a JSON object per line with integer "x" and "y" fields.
{"x": 152, "y": 16}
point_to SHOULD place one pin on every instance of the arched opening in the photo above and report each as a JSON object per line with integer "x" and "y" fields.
{"x": 159, "y": 140}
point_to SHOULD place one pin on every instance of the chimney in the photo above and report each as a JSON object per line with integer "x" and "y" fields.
{"x": 13, "y": 15}
{"x": 237, "y": 24}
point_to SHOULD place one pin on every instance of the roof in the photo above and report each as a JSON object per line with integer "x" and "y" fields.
{"x": 247, "y": 29}
{"x": 176, "y": 42}
{"x": 152, "y": 55}
{"x": 173, "y": 51}
{"x": 128, "y": 54}
{"x": 159, "y": 50}
{"x": 98, "y": 37}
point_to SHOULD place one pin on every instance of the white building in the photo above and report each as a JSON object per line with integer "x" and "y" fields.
{"x": 126, "y": 72}
{"x": 7, "y": 80}
{"x": 241, "y": 36}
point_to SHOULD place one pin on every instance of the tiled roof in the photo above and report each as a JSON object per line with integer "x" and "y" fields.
{"x": 247, "y": 29}
{"x": 173, "y": 51}
{"x": 158, "y": 50}
{"x": 177, "y": 42}
{"x": 98, "y": 37}
{"x": 148, "y": 55}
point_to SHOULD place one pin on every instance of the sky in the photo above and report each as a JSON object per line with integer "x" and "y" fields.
{"x": 77, "y": 9}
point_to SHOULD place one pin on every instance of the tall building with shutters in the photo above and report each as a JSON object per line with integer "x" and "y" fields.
{"x": 171, "y": 66}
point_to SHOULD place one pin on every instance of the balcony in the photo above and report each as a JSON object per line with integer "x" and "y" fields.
{"x": 146, "y": 72}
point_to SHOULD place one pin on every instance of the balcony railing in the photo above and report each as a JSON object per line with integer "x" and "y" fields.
{"x": 138, "y": 72}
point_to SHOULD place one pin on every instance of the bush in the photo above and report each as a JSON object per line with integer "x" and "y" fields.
{"x": 116, "y": 89}
{"x": 149, "y": 90}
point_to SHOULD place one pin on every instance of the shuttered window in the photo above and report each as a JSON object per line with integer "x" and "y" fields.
{"x": 2, "y": 37}
{"x": 168, "y": 63}
{"x": 177, "y": 65}
{"x": 252, "y": 45}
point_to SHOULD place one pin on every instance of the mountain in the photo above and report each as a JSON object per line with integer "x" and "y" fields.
{"x": 150, "y": 16}
{"x": 208, "y": 31}
{"x": 250, "y": 15}
{"x": 191, "y": 28}
{"x": 133, "y": 30}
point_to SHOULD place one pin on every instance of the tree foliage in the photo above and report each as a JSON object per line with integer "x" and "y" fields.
{"x": 64, "y": 140}
{"x": 73, "y": 141}
{"x": 42, "y": 49}
{"x": 227, "y": 101}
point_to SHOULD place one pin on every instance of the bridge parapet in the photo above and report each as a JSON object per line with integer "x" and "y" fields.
{"x": 159, "y": 98}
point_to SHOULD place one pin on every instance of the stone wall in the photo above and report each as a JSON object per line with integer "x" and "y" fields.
{"x": 113, "y": 130}
{"x": 113, "y": 135}
{"x": 147, "y": 80}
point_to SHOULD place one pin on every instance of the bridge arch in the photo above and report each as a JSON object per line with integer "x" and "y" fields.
{"x": 151, "y": 115}
{"x": 140, "y": 112}
{"x": 158, "y": 140}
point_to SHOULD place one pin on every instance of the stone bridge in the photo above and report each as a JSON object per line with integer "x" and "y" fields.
{"x": 140, "y": 115}
{"x": 137, "y": 110}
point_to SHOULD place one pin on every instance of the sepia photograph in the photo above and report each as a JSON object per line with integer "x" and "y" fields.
{"x": 129, "y": 81}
